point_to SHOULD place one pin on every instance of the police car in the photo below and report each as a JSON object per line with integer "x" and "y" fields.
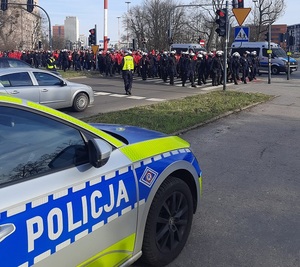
{"x": 75, "y": 194}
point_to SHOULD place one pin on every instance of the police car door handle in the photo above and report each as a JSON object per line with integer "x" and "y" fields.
{"x": 44, "y": 90}
{"x": 14, "y": 92}
{"x": 6, "y": 230}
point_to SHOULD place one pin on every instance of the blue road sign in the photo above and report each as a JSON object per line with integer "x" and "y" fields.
{"x": 241, "y": 34}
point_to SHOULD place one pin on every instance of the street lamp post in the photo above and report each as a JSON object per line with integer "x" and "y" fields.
{"x": 118, "y": 32}
{"x": 127, "y": 2}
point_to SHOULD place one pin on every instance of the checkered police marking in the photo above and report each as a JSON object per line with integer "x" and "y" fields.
{"x": 149, "y": 176}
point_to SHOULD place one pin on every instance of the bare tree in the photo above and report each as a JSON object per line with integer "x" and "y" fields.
{"x": 151, "y": 21}
{"x": 19, "y": 29}
{"x": 8, "y": 26}
{"x": 265, "y": 13}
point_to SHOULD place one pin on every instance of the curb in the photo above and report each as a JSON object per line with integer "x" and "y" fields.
{"x": 180, "y": 132}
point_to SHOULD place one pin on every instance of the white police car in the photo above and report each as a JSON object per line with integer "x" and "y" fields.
{"x": 73, "y": 194}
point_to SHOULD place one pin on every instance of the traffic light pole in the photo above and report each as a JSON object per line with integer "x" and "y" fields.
{"x": 269, "y": 55}
{"x": 226, "y": 48}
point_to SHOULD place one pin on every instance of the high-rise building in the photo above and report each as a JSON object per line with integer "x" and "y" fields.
{"x": 71, "y": 29}
{"x": 20, "y": 29}
{"x": 58, "y": 31}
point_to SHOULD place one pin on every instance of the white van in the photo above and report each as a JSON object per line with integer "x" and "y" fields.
{"x": 187, "y": 48}
{"x": 279, "y": 58}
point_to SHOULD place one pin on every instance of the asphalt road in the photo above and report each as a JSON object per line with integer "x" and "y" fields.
{"x": 250, "y": 212}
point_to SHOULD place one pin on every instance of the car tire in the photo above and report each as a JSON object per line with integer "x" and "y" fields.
{"x": 274, "y": 70}
{"x": 169, "y": 223}
{"x": 81, "y": 102}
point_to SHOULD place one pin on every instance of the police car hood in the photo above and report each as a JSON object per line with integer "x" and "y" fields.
{"x": 128, "y": 134}
{"x": 292, "y": 60}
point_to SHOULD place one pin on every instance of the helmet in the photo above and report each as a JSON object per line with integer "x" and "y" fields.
{"x": 192, "y": 54}
{"x": 199, "y": 56}
{"x": 173, "y": 52}
{"x": 253, "y": 53}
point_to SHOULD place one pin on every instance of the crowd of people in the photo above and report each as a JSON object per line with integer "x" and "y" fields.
{"x": 189, "y": 67}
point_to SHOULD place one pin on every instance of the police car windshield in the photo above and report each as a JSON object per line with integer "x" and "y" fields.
{"x": 278, "y": 52}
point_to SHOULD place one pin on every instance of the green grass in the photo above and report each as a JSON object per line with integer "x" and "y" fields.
{"x": 176, "y": 115}
{"x": 73, "y": 74}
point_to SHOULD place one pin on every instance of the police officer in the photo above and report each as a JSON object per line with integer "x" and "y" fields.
{"x": 144, "y": 66}
{"x": 235, "y": 67}
{"x": 216, "y": 69}
{"x": 208, "y": 63}
{"x": 255, "y": 64}
{"x": 127, "y": 71}
{"x": 200, "y": 69}
{"x": 163, "y": 62}
{"x": 244, "y": 66}
{"x": 51, "y": 62}
{"x": 184, "y": 68}
{"x": 172, "y": 67}
{"x": 108, "y": 64}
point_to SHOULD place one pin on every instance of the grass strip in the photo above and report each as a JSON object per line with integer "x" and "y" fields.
{"x": 175, "y": 115}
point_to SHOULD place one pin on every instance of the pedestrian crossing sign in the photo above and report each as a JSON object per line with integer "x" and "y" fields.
{"x": 241, "y": 34}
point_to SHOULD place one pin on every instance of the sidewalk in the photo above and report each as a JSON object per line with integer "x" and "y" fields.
{"x": 287, "y": 92}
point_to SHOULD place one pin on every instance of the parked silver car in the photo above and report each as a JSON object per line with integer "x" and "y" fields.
{"x": 45, "y": 88}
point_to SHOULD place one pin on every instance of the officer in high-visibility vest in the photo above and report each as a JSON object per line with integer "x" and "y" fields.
{"x": 127, "y": 71}
{"x": 51, "y": 62}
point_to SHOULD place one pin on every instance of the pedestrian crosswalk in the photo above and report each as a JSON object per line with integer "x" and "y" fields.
{"x": 97, "y": 93}
{"x": 157, "y": 81}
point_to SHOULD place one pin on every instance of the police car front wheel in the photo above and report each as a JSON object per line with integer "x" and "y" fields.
{"x": 168, "y": 223}
{"x": 81, "y": 102}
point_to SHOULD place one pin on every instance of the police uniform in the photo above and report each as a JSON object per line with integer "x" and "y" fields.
{"x": 127, "y": 72}
{"x": 244, "y": 66}
{"x": 51, "y": 63}
{"x": 172, "y": 67}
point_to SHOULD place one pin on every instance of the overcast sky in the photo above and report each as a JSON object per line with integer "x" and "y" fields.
{"x": 91, "y": 12}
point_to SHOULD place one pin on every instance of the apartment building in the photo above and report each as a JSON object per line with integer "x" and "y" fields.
{"x": 20, "y": 29}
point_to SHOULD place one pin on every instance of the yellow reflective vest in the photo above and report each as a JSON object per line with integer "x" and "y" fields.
{"x": 51, "y": 63}
{"x": 128, "y": 63}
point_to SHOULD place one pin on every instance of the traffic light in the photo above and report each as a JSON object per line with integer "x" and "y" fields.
{"x": 221, "y": 21}
{"x": 281, "y": 37}
{"x": 291, "y": 40}
{"x": 4, "y": 5}
{"x": 267, "y": 37}
{"x": 92, "y": 37}
{"x": 234, "y": 3}
{"x": 240, "y": 3}
{"x": 30, "y": 5}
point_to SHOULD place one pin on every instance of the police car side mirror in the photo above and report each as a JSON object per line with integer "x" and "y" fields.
{"x": 99, "y": 152}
